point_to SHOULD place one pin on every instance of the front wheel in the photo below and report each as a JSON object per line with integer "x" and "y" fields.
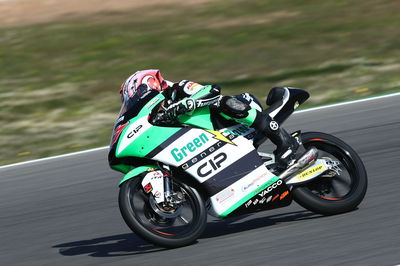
{"x": 171, "y": 225}
{"x": 333, "y": 193}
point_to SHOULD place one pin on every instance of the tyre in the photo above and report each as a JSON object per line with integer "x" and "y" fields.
{"x": 334, "y": 193}
{"x": 171, "y": 226}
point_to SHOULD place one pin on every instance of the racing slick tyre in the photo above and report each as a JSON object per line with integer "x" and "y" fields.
{"x": 334, "y": 193}
{"x": 166, "y": 225}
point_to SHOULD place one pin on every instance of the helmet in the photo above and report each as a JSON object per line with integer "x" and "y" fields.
{"x": 141, "y": 82}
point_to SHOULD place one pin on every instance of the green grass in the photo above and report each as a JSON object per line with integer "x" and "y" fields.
{"x": 59, "y": 81}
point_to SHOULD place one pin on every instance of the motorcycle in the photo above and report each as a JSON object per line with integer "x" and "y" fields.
{"x": 177, "y": 173}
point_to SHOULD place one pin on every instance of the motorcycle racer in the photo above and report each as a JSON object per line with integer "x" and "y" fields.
{"x": 184, "y": 96}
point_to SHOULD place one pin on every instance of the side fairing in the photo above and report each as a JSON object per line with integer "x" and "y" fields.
{"x": 226, "y": 164}
{"x": 140, "y": 138}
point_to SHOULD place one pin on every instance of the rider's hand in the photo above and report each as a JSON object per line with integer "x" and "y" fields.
{"x": 174, "y": 110}
{"x": 181, "y": 107}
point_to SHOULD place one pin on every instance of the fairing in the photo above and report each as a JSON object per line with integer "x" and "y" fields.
{"x": 223, "y": 162}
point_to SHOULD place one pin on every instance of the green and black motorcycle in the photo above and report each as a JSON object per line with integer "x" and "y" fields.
{"x": 175, "y": 174}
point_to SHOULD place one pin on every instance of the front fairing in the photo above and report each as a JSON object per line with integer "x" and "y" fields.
{"x": 132, "y": 107}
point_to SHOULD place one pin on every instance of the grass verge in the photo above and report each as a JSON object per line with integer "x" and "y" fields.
{"x": 58, "y": 81}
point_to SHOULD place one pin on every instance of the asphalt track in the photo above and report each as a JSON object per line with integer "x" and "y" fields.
{"x": 64, "y": 211}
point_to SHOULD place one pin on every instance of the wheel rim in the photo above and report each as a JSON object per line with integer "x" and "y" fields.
{"x": 178, "y": 221}
{"x": 338, "y": 187}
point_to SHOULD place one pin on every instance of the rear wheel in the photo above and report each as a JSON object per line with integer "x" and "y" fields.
{"x": 333, "y": 193}
{"x": 176, "y": 224}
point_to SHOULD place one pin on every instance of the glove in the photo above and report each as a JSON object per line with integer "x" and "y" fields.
{"x": 181, "y": 107}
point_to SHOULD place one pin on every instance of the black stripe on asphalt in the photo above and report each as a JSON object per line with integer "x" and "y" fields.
{"x": 233, "y": 173}
{"x": 166, "y": 143}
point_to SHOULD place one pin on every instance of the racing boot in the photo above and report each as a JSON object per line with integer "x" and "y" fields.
{"x": 286, "y": 145}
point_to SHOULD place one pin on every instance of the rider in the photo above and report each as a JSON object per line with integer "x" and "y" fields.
{"x": 243, "y": 108}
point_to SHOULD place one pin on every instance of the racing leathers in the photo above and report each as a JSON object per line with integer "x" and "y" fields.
{"x": 243, "y": 108}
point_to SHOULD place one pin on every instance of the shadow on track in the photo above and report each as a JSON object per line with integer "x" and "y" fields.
{"x": 232, "y": 225}
{"x": 130, "y": 244}
{"x": 109, "y": 246}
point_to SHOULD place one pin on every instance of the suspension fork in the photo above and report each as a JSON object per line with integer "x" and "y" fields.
{"x": 167, "y": 181}
{"x": 167, "y": 186}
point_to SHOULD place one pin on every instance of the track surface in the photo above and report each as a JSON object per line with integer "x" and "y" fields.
{"x": 64, "y": 211}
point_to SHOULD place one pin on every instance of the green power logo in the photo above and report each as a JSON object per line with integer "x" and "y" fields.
{"x": 180, "y": 153}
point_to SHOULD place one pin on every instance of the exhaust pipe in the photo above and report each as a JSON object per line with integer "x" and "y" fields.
{"x": 307, "y": 159}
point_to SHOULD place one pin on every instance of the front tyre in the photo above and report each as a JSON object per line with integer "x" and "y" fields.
{"x": 333, "y": 194}
{"x": 171, "y": 226}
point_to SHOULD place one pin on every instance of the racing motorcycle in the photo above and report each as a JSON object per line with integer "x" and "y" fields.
{"x": 203, "y": 163}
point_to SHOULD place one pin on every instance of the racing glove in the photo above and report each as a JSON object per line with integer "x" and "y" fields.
{"x": 181, "y": 107}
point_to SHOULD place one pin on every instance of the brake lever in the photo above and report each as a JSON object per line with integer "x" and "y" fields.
{"x": 162, "y": 118}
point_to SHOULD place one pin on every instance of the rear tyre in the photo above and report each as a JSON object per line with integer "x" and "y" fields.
{"x": 167, "y": 226}
{"x": 337, "y": 194}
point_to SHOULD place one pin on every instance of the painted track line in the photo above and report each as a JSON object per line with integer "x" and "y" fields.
{"x": 300, "y": 111}
{"x": 348, "y": 102}
{"x": 53, "y": 157}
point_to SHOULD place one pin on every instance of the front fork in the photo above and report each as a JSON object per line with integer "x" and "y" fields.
{"x": 159, "y": 184}
{"x": 172, "y": 198}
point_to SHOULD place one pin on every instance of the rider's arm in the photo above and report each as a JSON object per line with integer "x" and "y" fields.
{"x": 188, "y": 95}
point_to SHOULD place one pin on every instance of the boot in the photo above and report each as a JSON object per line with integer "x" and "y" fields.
{"x": 286, "y": 145}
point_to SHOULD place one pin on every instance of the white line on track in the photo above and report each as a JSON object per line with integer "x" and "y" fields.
{"x": 349, "y": 102}
{"x": 106, "y": 147}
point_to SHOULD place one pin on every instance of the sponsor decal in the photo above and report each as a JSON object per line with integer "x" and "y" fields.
{"x": 148, "y": 188}
{"x": 134, "y": 131}
{"x": 207, "y": 102}
{"x": 275, "y": 197}
{"x": 269, "y": 199}
{"x": 180, "y": 153}
{"x": 211, "y": 165}
{"x": 156, "y": 175}
{"x": 283, "y": 195}
{"x": 224, "y": 195}
{"x": 310, "y": 171}
{"x": 270, "y": 188}
{"x": 152, "y": 102}
{"x": 264, "y": 192}
{"x": 202, "y": 155}
{"x": 253, "y": 182}
{"x": 190, "y": 105}
{"x": 238, "y": 131}
{"x": 118, "y": 132}
{"x": 296, "y": 105}
{"x": 248, "y": 203}
{"x": 273, "y": 125}
{"x": 192, "y": 87}
{"x": 157, "y": 194}
{"x": 218, "y": 136}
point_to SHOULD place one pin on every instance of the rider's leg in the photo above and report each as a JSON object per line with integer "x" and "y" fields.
{"x": 246, "y": 110}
